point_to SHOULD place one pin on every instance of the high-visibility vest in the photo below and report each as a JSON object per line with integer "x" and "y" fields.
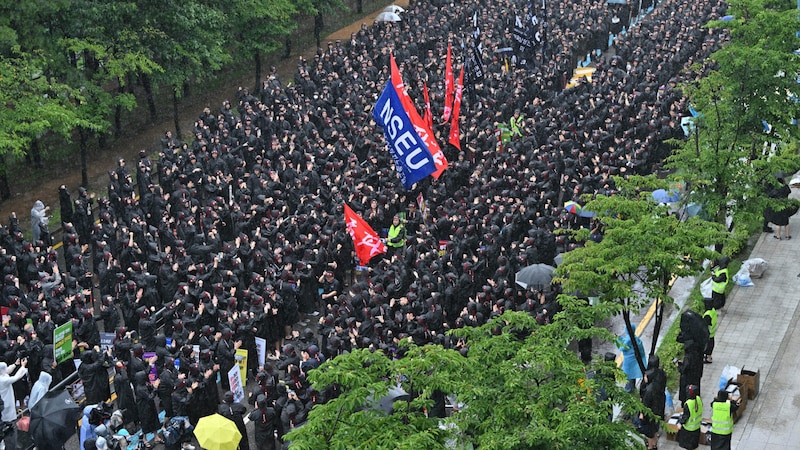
{"x": 394, "y": 232}
{"x": 721, "y": 418}
{"x": 515, "y": 123}
{"x": 695, "y": 407}
{"x": 712, "y": 328}
{"x": 719, "y": 286}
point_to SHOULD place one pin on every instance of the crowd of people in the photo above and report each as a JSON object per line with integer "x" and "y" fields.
{"x": 239, "y": 232}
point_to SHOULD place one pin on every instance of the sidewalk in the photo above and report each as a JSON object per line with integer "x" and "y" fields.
{"x": 757, "y": 331}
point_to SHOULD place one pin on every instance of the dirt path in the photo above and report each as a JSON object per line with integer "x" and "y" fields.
{"x": 139, "y": 133}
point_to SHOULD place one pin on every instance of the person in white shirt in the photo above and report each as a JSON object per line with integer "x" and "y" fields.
{"x": 9, "y": 402}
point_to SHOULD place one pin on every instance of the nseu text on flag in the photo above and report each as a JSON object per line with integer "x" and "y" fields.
{"x": 411, "y": 156}
{"x": 424, "y": 130}
{"x": 365, "y": 240}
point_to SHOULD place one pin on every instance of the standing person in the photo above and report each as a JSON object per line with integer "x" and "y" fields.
{"x": 265, "y": 422}
{"x": 722, "y": 413}
{"x": 689, "y": 423}
{"x": 719, "y": 281}
{"x": 781, "y": 218}
{"x": 329, "y": 290}
{"x": 712, "y": 320}
{"x": 629, "y": 363}
{"x": 39, "y": 388}
{"x": 654, "y": 385}
{"x": 145, "y": 394}
{"x": 93, "y": 372}
{"x": 235, "y": 412}
{"x": 396, "y": 238}
{"x": 65, "y": 202}
{"x": 9, "y": 401}
{"x": 694, "y": 337}
{"x": 39, "y": 220}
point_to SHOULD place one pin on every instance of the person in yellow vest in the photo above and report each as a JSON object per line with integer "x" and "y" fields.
{"x": 516, "y": 123}
{"x": 712, "y": 320}
{"x": 689, "y": 423}
{"x": 722, "y": 413}
{"x": 719, "y": 281}
{"x": 396, "y": 238}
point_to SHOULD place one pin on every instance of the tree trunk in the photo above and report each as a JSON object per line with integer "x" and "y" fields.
{"x": 5, "y": 188}
{"x": 151, "y": 103}
{"x": 84, "y": 172}
{"x": 36, "y": 154}
{"x": 287, "y": 49}
{"x": 319, "y": 24}
{"x": 118, "y": 113}
{"x": 257, "y": 60}
{"x": 175, "y": 114}
{"x": 659, "y": 317}
{"x": 626, "y": 316}
{"x": 360, "y": 6}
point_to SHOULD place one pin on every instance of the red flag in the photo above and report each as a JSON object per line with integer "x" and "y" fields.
{"x": 365, "y": 239}
{"x": 422, "y": 128}
{"x": 428, "y": 114}
{"x": 449, "y": 89}
{"x": 455, "y": 134}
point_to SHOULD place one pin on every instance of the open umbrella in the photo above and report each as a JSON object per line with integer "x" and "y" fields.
{"x": 536, "y": 276}
{"x": 386, "y": 403}
{"x": 572, "y": 207}
{"x": 387, "y": 16}
{"x": 215, "y": 432}
{"x": 665, "y": 196}
{"x": 54, "y": 419}
{"x": 394, "y": 9}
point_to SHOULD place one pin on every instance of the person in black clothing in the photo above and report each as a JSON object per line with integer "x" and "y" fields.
{"x": 124, "y": 390}
{"x": 235, "y": 412}
{"x": 145, "y": 394}
{"x": 94, "y": 375}
{"x": 265, "y": 423}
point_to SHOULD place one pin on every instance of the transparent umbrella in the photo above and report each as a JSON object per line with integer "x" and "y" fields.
{"x": 387, "y": 16}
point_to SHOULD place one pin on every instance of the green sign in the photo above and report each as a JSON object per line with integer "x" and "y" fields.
{"x": 62, "y": 342}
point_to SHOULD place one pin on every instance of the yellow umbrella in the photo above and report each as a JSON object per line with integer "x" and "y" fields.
{"x": 215, "y": 432}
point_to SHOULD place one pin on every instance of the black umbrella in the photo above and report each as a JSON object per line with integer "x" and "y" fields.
{"x": 54, "y": 419}
{"x": 536, "y": 276}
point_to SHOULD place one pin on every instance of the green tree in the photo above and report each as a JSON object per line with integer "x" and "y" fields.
{"x": 729, "y": 161}
{"x": 520, "y": 387}
{"x": 643, "y": 248}
{"x": 263, "y": 27}
{"x": 189, "y": 40}
{"x": 321, "y": 9}
{"x": 33, "y": 104}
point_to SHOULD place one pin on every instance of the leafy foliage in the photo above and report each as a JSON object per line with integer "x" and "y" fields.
{"x": 729, "y": 161}
{"x": 521, "y": 387}
{"x": 643, "y": 248}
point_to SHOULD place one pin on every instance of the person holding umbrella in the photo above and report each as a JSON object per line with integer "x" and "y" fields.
{"x": 9, "y": 401}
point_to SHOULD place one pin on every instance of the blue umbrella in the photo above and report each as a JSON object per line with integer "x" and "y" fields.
{"x": 693, "y": 209}
{"x": 665, "y": 196}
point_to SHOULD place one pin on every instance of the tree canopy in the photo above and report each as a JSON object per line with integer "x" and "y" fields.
{"x": 745, "y": 132}
{"x": 519, "y": 385}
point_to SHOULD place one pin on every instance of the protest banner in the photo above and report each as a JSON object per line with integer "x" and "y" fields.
{"x": 62, "y": 342}
{"x": 235, "y": 381}
{"x": 241, "y": 362}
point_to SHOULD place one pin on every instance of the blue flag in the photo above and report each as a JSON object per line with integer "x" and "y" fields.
{"x": 411, "y": 156}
